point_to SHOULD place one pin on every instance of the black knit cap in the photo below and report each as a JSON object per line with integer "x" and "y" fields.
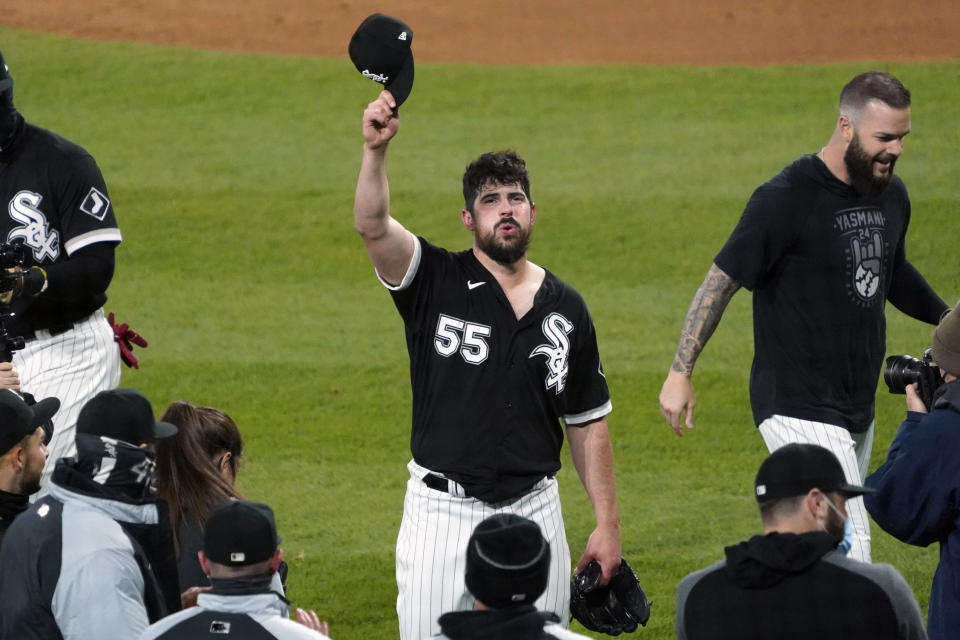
{"x": 508, "y": 561}
{"x": 380, "y": 50}
{"x": 795, "y": 469}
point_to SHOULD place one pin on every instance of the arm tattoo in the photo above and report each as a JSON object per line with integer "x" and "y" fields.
{"x": 703, "y": 317}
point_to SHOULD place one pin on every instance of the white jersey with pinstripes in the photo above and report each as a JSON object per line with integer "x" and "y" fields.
{"x": 490, "y": 392}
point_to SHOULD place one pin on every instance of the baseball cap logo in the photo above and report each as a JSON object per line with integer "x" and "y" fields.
{"x": 238, "y": 556}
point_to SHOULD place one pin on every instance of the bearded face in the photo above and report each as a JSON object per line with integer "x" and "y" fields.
{"x": 507, "y": 243}
{"x": 869, "y": 173}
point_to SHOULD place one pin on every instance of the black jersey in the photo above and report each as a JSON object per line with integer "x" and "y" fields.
{"x": 489, "y": 391}
{"x": 819, "y": 260}
{"x": 57, "y": 203}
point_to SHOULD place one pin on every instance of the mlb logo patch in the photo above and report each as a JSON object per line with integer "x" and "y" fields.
{"x": 95, "y": 204}
{"x": 219, "y": 627}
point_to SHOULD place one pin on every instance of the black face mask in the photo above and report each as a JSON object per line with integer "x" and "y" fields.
{"x": 117, "y": 466}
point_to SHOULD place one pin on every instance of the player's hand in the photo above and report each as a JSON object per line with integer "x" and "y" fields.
{"x": 189, "y": 597}
{"x": 914, "y": 403}
{"x": 380, "y": 121}
{"x": 676, "y": 397}
{"x": 604, "y": 547}
{"x": 9, "y": 378}
{"x": 309, "y": 619}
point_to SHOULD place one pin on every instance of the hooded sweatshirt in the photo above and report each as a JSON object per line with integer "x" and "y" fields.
{"x": 522, "y": 622}
{"x": 787, "y": 586}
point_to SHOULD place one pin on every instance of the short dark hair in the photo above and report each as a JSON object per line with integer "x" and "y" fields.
{"x": 500, "y": 168}
{"x": 873, "y": 85}
{"x": 773, "y": 510}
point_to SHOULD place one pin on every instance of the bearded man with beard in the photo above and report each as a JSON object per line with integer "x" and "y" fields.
{"x": 502, "y": 354}
{"x": 791, "y": 582}
{"x": 822, "y": 248}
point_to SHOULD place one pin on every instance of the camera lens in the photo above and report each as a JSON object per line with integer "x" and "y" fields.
{"x": 901, "y": 371}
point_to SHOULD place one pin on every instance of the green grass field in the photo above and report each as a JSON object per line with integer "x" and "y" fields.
{"x": 232, "y": 176}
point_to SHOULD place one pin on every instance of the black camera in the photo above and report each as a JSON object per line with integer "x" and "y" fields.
{"x": 11, "y": 254}
{"x": 11, "y": 260}
{"x": 906, "y": 370}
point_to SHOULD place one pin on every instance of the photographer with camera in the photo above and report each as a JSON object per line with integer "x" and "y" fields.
{"x": 917, "y": 487}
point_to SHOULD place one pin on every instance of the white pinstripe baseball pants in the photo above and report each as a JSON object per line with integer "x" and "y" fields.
{"x": 853, "y": 452}
{"x": 432, "y": 544}
{"x": 73, "y": 366}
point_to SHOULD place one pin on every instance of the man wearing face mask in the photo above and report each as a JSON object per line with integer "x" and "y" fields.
{"x": 916, "y": 487}
{"x": 791, "y": 582}
{"x": 94, "y": 558}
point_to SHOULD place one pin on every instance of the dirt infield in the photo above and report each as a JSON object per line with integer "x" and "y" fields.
{"x": 750, "y": 32}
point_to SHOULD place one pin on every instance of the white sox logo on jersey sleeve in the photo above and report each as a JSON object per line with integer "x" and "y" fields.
{"x": 34, "y": 230}
{"x": 556, "y": 328}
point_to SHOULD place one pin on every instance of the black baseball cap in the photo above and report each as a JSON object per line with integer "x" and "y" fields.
{"x": 240, "y": 533}
{"x": 19, "y": 419}
{"x": 508, "y": 561}
{"x": 380, "y": 49}
{"x": 795, "y": 469}
{"x": 122, "y": 414}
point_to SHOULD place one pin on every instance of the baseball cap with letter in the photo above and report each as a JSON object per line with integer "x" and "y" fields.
{"x": 122, "y": 414}
{"x": 18, "y": 418}
{"x": 795, "y": 469}
{"x": 240, "y": 533}
{"x": 380, "y": 49}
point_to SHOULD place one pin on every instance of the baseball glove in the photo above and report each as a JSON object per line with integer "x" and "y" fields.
{"x": 614, "y": 608}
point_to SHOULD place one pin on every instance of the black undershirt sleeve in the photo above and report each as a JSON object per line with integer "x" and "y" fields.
{"x": 911, "y": 294}
{"x": 87, "y": 273}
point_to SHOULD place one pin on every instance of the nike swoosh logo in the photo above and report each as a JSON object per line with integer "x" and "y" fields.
{"x": 473, "y": 285}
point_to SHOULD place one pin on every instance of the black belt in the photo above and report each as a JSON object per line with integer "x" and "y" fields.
{"x": 437, "y": 483}
{"x": 31, "y": 334}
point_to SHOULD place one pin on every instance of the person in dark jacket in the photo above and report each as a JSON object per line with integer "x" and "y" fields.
{"x": 94, "y": 558}
{"x": 508, "y": 563}
{"x": 791, "y": 582}
{"x": 240, "y": 556}
{"x": 23, "y": 450}
{"x": 917, "y": 486}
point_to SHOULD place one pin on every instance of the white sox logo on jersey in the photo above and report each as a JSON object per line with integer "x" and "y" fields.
{"x": 556, "y": 328}
{"x": 34, "y": 230}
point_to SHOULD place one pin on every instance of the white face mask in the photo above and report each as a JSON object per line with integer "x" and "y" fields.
{"x": 846, "y": 542}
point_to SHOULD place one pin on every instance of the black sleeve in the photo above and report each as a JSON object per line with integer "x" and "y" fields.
{"x": 911, "y": 294}
{"x": 86, "y": 274}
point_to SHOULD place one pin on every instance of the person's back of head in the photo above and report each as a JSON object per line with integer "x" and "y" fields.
{"x": 945, "y": 346}
{"x": 196, "y": 469}
{"x": 116, "y": 435}
{"x": 508, "y": 561}
{"x": 240, "y": 540}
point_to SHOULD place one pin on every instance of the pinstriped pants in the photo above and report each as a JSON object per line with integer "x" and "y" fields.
{"x": 72, "y": 366}
{"x": 851, "y": 449}
{"x": 432, "y": 544}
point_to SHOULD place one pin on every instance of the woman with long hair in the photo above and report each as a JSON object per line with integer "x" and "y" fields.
{"x": 196, "y": 471}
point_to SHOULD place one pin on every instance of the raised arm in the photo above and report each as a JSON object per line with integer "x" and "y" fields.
{"x": 390, "y": 245}
{"x": 677, "y": 395}
{"x": 592, "y": 455}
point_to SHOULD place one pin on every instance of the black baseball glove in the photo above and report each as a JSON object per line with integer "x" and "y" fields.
{"x": 614, "y": 608}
